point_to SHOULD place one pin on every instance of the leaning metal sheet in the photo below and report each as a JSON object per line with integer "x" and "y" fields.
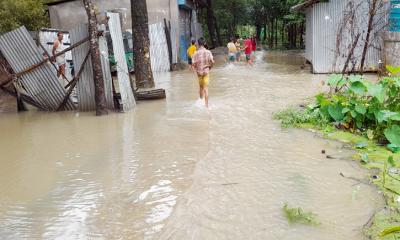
{"x": 105, "y": 65}
{"x": 127, "y": 98}
{"x": 158, "y": 48}
{"x": 42, "y": 83}
{"x": 85, "y": 86}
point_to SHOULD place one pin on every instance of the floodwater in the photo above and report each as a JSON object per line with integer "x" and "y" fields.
{"x": 174, "y": 170}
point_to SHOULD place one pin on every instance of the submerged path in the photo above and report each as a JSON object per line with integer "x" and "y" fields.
{"x": 173, "y": 170}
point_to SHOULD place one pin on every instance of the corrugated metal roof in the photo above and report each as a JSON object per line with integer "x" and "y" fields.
{"x": 127, "y": 98}
{"x": 42, "y": 83}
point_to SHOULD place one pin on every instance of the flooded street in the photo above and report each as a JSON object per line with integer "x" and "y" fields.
{"x": 174, "y": 170}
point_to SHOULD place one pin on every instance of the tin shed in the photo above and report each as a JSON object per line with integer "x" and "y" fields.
{"x": 330, "y": 34}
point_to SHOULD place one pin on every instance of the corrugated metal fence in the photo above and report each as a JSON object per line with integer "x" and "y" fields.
{"x": 158, "y": 48}
{"x": 325, "y": 20}
{"x": 85, "y": 85}
{"x": 42, "y": 83}
{"x": 124, "y": 84}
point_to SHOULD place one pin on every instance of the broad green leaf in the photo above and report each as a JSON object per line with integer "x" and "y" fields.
{"x": 357, "y": 88}
{"x": 361, "y": 109}
{"x": 377, "y": 91}
{"x": 353, "y": 114}
{"x": 364, "y": 158}
{"x": 385, "y": 115}
{"x": 393, "y": 148}
{"x": 322, "y": 100}
{"x": 345, "y": 110}
{"x": 392, "y": 134}
{"x": 356, "y": 78}
{"x": 359, "y": 123}
{"x": 393, "y": 70}
{"x": 335, "y": 112}
{"x": 336, "y": 80}
{"x": 395, "y": 117}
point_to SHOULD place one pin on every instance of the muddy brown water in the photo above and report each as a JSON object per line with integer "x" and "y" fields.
{"x": 174, "y": 170}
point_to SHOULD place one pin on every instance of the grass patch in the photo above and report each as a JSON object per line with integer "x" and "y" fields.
{"x": 365, "y": 116}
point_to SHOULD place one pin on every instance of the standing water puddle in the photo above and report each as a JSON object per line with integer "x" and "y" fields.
{"x": 173, "y": 170}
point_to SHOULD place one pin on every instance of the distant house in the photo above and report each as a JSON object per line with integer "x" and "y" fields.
{"x": 181, "y": 14}
{"x": 330, "y": 34}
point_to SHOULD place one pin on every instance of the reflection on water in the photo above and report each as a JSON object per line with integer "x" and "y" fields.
{"x": 174, "y": 170}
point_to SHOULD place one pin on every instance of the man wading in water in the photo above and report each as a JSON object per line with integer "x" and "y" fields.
{"x": 203, "y": 61}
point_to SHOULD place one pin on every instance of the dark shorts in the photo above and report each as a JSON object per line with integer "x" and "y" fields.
{"x": 248, "y": 57}
{"x": 190, "y": 61}
{"x": 238, "y": 55}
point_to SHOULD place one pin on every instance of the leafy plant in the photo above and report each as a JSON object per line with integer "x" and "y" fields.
{"x": 357, "y": 105}
{"x": 390, "y": 230}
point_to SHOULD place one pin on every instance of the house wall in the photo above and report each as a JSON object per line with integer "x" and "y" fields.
{"x": 60, "y": 14}
{"x": 309, "y": 35}
{"x": 325, "y": 20}
{"x": 158, "y": 10}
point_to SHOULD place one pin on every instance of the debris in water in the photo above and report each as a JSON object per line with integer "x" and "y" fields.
{"x": 228, "y": 184}
{"x": 297, "y": 215}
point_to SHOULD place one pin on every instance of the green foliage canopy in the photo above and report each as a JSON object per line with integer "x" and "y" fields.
{"x": 16, "y": 13}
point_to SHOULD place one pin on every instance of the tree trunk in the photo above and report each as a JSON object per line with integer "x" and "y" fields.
{"x": 220, "y": 43}
{"x": 210, "y": 22}
{"x": 276, "y": 32}
{"x": 258, "y": 31}
{"x": 283, "y": 33}
{"x": 271, "y": 34}
{"x": 301, "y": 34}
{"x": 295, "y": 35}
{"x": 372, "y": 13}
{"x": 266, "y": 32}
{"x": 100, "y": 96}
{"x": 140, "y": 33}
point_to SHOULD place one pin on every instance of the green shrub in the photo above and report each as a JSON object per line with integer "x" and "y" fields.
{"x": 357, "y": 105}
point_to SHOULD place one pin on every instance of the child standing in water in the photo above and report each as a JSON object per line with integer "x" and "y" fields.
{"x": 232, "y": 50}
{"x": 190, "y": 52}
{"x": 203, "y": 61}
{"x": 248, "y": 49}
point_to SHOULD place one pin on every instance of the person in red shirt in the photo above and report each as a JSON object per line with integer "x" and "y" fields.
{"x": 248, "y": 49}
{"x": 254, "y": 43}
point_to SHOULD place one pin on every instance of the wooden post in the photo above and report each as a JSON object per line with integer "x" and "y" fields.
{"x": 169, "y": 43}
{"x": 100, "y": 96}
{"x": 140, "y": 32}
